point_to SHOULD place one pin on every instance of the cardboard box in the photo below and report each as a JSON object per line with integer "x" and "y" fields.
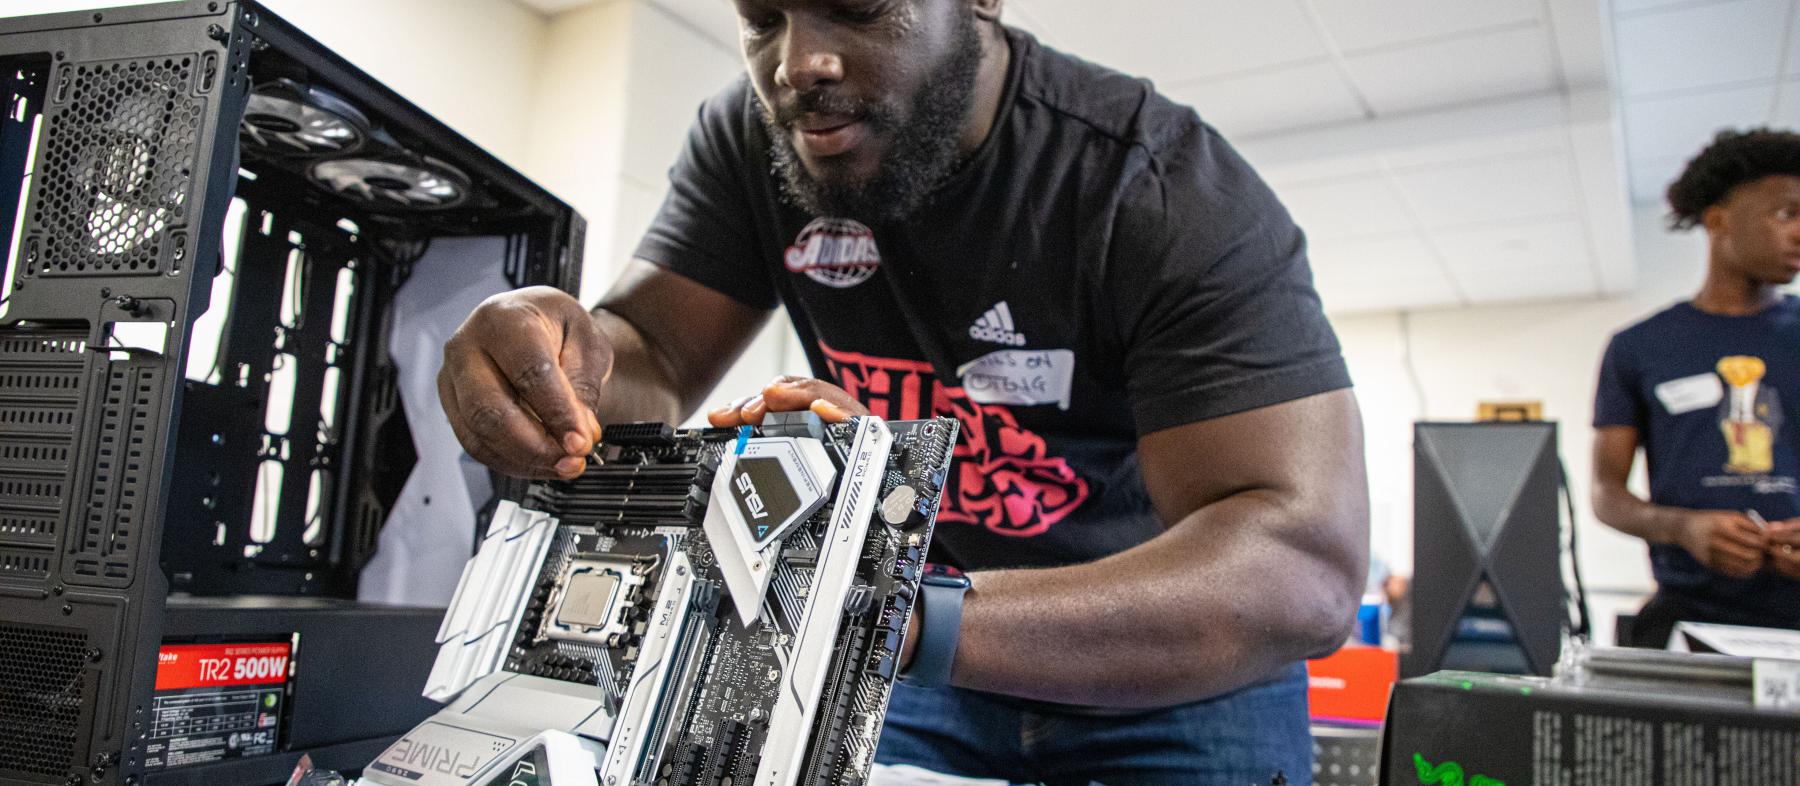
{"x": 1469, "y": 729}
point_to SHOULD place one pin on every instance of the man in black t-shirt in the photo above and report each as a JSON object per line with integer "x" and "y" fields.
{"x": 1710, "y": 387}
{"x": 1159, "y": 495}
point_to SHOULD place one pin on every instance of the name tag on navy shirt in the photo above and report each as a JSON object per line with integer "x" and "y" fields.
{"x": 1700, "y": 391}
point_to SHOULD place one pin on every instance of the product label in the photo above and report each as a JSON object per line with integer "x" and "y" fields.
{"x": 214, "y": 702}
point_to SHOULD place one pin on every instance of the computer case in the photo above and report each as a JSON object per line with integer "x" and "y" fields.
{"x": 1487, "y": 589}
{"x": 207, "y": 219}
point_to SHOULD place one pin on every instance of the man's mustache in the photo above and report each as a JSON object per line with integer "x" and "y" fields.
{"x": 826, "y": 102}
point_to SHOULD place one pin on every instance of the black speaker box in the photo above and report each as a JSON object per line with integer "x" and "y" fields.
{"x": 1487, "y": 589}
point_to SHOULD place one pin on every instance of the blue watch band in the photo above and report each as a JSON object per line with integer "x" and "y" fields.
{"x": 941, "y": 591}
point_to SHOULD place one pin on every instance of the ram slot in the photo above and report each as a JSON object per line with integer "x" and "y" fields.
{"x": 672, "y": 623}
{"x": 784, "y": 754}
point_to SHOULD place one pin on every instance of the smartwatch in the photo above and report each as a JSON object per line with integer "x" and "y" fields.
{"x": 939, "y": 617}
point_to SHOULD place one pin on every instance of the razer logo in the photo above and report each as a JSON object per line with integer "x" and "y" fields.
{"x": 1448, "y": 774}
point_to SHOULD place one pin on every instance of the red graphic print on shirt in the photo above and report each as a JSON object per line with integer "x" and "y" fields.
{"x": 1003, "y": 478}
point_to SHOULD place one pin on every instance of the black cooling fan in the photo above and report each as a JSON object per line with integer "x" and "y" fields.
{"x": 403, "y": 183}
{"x": 285, "y": 118}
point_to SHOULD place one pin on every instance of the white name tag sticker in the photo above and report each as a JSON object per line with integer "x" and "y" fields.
{"x": 1681, "y": 396}
{"x": 1025, "y": 377}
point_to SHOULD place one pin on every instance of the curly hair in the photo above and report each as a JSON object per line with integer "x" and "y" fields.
{"x": 1733, "y": 159}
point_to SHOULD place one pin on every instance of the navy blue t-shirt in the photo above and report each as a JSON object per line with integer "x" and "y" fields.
{"x": 1716, "y": 401}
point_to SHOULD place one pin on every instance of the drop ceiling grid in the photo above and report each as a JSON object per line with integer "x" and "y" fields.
{"x": 1688, "y": 69}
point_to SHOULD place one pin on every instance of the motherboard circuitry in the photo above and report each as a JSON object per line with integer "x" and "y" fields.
{"x": 734, "y": 599}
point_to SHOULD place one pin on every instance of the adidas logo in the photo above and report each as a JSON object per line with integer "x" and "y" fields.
{"x": 996, "y": 326}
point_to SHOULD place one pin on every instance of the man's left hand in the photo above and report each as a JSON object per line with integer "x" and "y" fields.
{"x": 1784, "y": 547}
{"x": 789, "y": 394}
{"x": 793, "y": 394}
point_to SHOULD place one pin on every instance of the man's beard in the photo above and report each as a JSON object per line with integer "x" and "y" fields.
{"x": 924, "y": 140}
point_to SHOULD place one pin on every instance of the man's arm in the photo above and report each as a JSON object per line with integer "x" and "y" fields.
{"x": 530, "y": 375}
{"x": 673, "y": 339}
{"x": 1262, "y": 564}
{"x": 1724, "y": 540}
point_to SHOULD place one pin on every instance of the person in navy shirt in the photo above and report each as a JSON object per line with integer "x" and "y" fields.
{"x": 1709, "y": 388}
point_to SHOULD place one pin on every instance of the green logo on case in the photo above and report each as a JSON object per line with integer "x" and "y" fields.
{"x": 1448, "y": 774}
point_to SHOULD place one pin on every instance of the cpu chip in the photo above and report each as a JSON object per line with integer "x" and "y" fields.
{"x": 590, "y": 599}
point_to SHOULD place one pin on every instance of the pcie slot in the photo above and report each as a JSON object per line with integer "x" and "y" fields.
{"x": 671, "y": 625}
{"x": 691, "y": 696}
{"x": 796, "y": 704}
{"x": 829, "y": 731}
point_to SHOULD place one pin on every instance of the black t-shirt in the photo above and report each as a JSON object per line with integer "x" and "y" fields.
{"x": 1104, "y": 266}
{"x": 1714, "y": 400}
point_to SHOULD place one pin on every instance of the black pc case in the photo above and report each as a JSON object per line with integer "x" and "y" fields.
{"x": 1487, "y": 590}
{"x": 129, "y": 137}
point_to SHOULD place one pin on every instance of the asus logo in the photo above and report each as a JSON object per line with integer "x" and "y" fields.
{"x": 752, "y": 500}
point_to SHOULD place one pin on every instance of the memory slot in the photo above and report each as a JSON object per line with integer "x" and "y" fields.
{"x": 638, "y": 501}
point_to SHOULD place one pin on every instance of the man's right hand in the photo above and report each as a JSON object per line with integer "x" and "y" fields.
{"x": 1724, "y": 540}
{"x": 521, "y": 381}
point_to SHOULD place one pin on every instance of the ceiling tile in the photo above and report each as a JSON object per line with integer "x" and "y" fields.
{"x": 1700, "y": 46}
{"x": 1351, "y": 208}
{"x": 1622, "y": 8}
{"x": 1681, "y": 125}
{"x": 1462, "y": 146}
{"x": 1380, "y": 274}
{"x": 1792, "y": 66}
{"x": 1459, "y": 71}
{"x": 1399, "y": 257}
{"x": 1483, "y": 260}
{"x": 1544, "y": 283}
{"x": 1787, "y": 112}
{"x": 1362, "y": 24}
{"x": 1175, "y": 40}
{"x": 1269, "y": 101}
{"x": 1650, "y": 177}
{"x": 1509, "y": 188}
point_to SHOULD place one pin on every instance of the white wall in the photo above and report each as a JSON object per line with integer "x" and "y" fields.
{"x": 618, "y": 86}
{"x": 465, "y": 61}
{"x": 578, "y": 137}
{"x": 1548, "y": 352}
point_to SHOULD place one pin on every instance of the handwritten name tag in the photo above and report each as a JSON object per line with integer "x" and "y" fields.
{"x": 1026, "y": 377}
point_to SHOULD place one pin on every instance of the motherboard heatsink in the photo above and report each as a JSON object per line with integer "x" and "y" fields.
{"x": 707, "y": 607}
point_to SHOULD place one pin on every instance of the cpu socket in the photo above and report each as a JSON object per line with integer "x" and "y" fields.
{"x": 592, "y": 599}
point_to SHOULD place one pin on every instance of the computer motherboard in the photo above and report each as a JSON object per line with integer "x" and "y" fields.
{"x": 705, "y": 607}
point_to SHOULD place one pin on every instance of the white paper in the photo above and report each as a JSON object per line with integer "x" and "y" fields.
{"x": 1737, "y": 640}
{"x": 1688, "y": 394}
{"x": 1026, "y": 377}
